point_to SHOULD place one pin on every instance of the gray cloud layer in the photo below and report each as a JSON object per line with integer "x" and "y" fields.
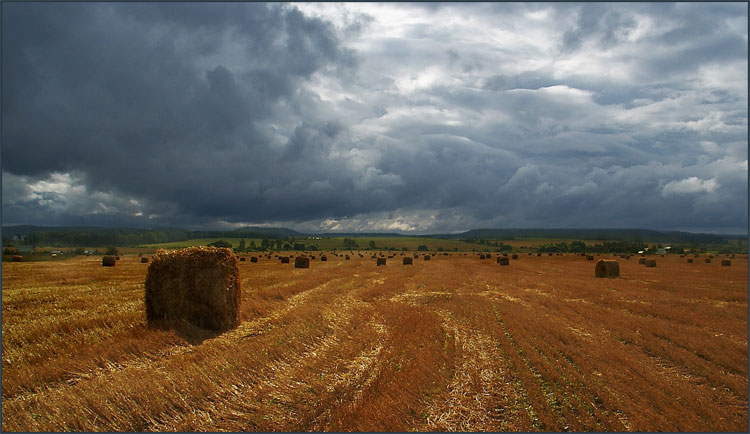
{"x": 373, "y": 117}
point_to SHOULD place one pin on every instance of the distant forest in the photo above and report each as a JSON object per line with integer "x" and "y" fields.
{"x": 95, "y": 237}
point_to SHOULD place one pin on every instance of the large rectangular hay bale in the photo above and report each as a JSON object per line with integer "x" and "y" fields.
{"x": 503, "y": 260}
{"x": 200, "y": 285}
{"x": 144, "y": 260}
{"x": 253, "y": 259}
{"x": 607, "y": 268}
{"x": 726, "y": 263}
{"x": 651, "y": 263}
{"x": 108, "y": 261}
{"x": 380, "y": 261}
{"x": 408, "y": 261}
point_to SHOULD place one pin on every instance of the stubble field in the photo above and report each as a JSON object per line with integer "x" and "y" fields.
{"x": 455, "y": 343}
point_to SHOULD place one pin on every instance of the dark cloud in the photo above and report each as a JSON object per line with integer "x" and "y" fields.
{"x": 506, "y": 115}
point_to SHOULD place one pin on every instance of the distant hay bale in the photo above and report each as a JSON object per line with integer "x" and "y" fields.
{"x": 651, "y": 263}
{"x": 505, "y": 254}
{"x": 426, "y": 257}
{"x": 253, "y": 259}
{"x": 284, "y": 259}
{"x": 641, "y": 261}
{"x": 539, "y": 254}
{"x": 242, "y": 259}
{"x": 515, "y": 256}
{"x": 200, "y": 285}
{"x": 408, "y": 261}
{"x": 690, "y": 260}
{"x": 17, "y": 258}
{"x": 108, "y": 261}
{"x": 607, "y": 268}
{"x": 144, "y": 260}
{"x": 726, "y": 263}
{"x": 380, "y": 261}
{"x": 503, "y": 260}
{"x": 324, "y": 258}
{"x": 301, "y": 262}
{"x": 589, "y": 257}
{"x": 549, "y": 254}
{"x": 481, "y": 256}
{"x": 708, "y": 260}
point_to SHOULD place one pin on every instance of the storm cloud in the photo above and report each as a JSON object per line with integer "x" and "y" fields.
{"x": 376, "y": 117}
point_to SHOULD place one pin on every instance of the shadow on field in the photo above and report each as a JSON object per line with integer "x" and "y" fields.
{"x": 194, "y": 335}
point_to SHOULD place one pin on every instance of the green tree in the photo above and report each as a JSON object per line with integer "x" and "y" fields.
{"x": 372, "y": 244}
{"x": 241, "y": 247}
{"x": 221, "y": 243}
{"x": 252, "y": 245}
{"x": 112, "y": 250}
{"x": 422, "y": 248}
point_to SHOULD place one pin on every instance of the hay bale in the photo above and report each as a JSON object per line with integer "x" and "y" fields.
{"x": 284, "y": 259}
{"x": 690, "y": 260}
{"x": 607, "y": 268}
{"x": 253, "y": 259}
{"x": 380, "y": 261}
{"x": 481, "y": 256}
{"x": 641, "y": 261}
{"x": 539, "y": 254}
{"x": 324, "y": 258}
{"x": 426, "y": 257}
{"x": 726, "y": 263}
{"x": 651, "y": 263}
{"x": 549, "y": 254}
{"x": 408, "y": 261}
{"x": 708, "y": 260}
{"x": 301, "y": 262}
{"x": 200, "y": 285}
{"x": 503, "y": 260}
{"x": 108, "y": 261}
{"x": 17, "y": 258}
{"x": 589, "y": 257}
{"x": 242, "y": 259}
{"x": 144, "y": 260}
{"x": 347, "y": 257}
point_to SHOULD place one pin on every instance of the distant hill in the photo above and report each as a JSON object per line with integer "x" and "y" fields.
{"x": 642, "y": 235}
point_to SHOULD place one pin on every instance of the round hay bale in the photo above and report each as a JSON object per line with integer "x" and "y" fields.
{"x": 200, "y": 285}
{"x": 589, "y": 257}
{"x": 108, "y": 261}
{"x": 324, "y": 258}
{"x": 284, "y": 259}
{"x": 242, "y": 259}
{"x": 690, "y": 260}
{"x": 503, "y": 260}
{"x": 426, "y": 257}
{"x": 380, "y": 261}
{"x": 17, "y": 258}
{"x": 651, "y": 263}
{"x": 607, "y": 268}
{"x": 301, "y": 262}
{"x": 708, "y": 260}
{"x": 144, "y": 260}
{"x": 253, "y": 259}
{"x": 408, "y": 261}
{"x": 514, "y": 256}
{"x": 726, "y": 263}
{"x": 641, "y": 261}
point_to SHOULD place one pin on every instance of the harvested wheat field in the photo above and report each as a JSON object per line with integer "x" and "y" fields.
{"x": 454, "y": 343}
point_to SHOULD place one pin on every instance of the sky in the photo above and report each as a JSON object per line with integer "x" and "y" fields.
{"x": 376, "y": 117}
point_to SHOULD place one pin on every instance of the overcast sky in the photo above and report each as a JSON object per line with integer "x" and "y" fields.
{"x": 420, "y": 118}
